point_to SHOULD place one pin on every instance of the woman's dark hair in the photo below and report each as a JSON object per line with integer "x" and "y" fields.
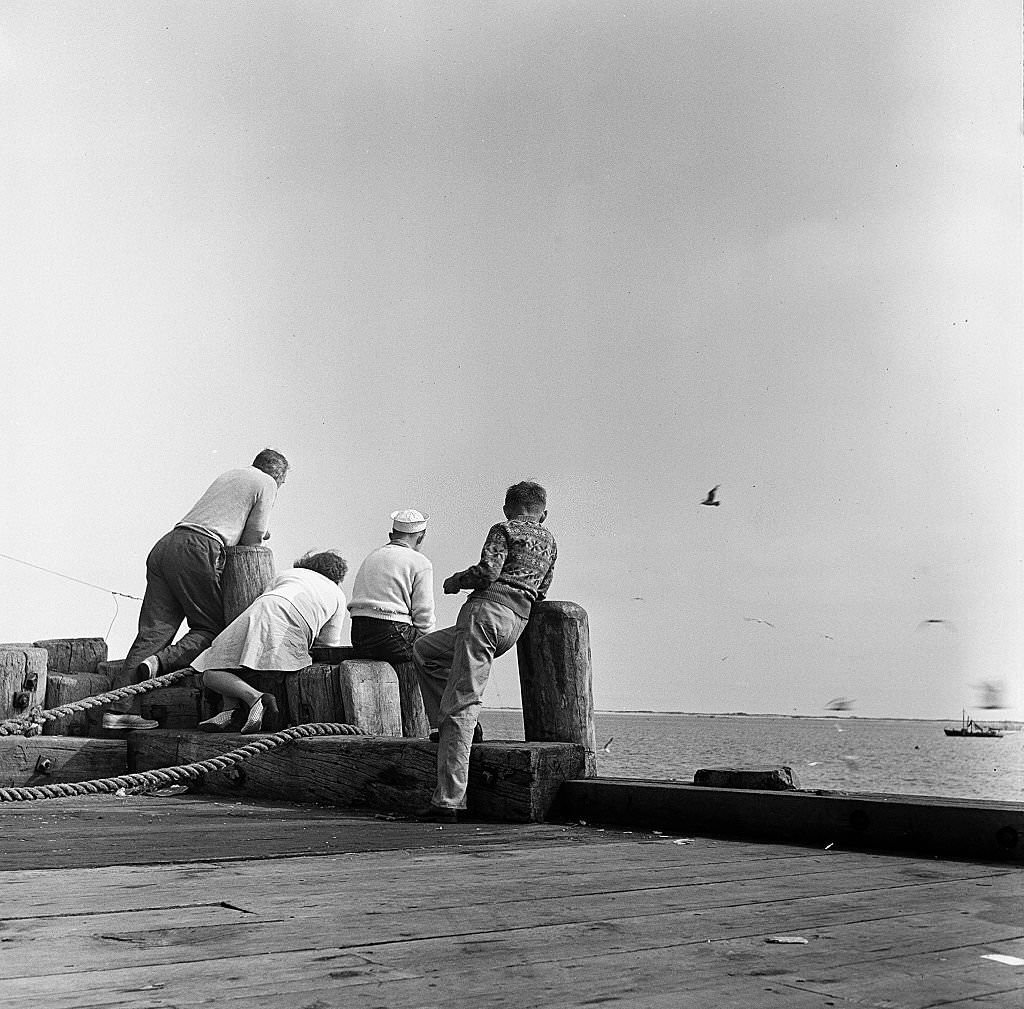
{"x": 328, "y": 563}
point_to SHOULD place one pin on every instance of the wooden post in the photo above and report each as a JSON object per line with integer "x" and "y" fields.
{"x": 247, "y": 572}
{"x": 314, "y": 694}
{"x": 414, "y": 715}
{"x": 22, "y": 679}
{"x": 555, "y": 676}
{"x": 370, "y": 696}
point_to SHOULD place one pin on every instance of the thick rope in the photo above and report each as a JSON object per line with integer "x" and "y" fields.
{"x": 148, "y": 780}
{"x": 32, "y": 723}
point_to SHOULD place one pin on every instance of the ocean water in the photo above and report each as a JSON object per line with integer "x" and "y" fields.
{"x": 839, "y": 754}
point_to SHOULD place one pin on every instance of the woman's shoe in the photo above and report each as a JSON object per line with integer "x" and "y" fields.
{"x": 264, "y": 708}
{"x": 229, "y": 720}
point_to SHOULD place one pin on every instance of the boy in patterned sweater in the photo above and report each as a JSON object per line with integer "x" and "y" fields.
{"x": 514, "y": 571}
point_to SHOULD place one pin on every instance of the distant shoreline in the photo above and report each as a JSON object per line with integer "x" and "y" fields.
{"x": 1008, "y": 723}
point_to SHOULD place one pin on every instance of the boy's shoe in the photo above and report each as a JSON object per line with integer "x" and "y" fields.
{"x": 148, "y": 668}
{"x": 116, "y": 720}
{"x": 478, "y": 734}
{"x": 437, "y": 814}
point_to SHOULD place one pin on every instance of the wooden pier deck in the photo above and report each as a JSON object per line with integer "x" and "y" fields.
{"x": 147, "y": 902}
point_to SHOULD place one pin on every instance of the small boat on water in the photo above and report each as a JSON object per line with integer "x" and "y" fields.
{"x": 970, "y": 728}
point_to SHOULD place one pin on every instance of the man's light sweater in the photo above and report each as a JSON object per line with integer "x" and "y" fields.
{"x": 395, "y": 583}
{"x": 235, "y": 507}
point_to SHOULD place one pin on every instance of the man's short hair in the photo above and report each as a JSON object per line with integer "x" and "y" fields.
{"x": 526, "y": 496}
{"x": 272, "y": 463}
{"x": 328, "y": 563}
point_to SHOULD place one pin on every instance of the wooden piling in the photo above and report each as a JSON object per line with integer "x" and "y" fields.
{"x": 370, "y": 696}
{"x": 248, "y": 570}
{"x": 555, "y": 677}
{"x": 414, "y": 715}
{"x": 22, "y": 679}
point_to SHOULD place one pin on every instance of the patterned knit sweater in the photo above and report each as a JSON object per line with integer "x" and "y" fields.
{"x": 516, "y": 565}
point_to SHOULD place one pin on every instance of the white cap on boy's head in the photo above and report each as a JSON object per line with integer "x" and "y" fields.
{"x": 408, "y": 520}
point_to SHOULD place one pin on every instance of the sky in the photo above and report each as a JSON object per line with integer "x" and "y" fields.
{"x": 630, "y": 250}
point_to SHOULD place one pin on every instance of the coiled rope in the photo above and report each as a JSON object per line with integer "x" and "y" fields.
{"x": 32, "y": 723}
{"x": 147, "y": 780}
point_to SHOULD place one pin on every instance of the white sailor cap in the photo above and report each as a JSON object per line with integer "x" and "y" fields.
{"x": 408, "y": 520}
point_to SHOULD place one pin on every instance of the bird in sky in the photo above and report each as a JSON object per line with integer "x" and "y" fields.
{"x": 935, "y": 622}
{"x": 758, "y": 620}
{"x": 711, "y": 499}
{"x": 840, "y": 704}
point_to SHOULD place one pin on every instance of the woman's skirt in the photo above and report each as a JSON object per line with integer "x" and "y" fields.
{"x": 270, "y": 635}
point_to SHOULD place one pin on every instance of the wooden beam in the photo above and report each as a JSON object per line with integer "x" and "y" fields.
{"x": 960, "y": 827}
{"x": 47, "y": 760}
{"x": 510, "y": 781}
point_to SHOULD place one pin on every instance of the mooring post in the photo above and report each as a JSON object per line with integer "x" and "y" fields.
{"x": 414, "y": 715}
{"x": 248, "y": 571}
{"x": 555, "y": 678}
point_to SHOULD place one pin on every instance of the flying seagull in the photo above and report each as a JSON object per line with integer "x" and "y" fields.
{"x": 840, "y": 704}
{"x": 933, "y": 622}
{"x": 710, "y": 499}
{"x": 758, "y": 620}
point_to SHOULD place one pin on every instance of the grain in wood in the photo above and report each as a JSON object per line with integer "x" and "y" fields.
{"x": 248, "y": 570}
{"x": 415, "y": 723}
{"x": 370, "y": 696}
{"x": 44, "y": 760}
{"x": 314, "y": 694}
{"x": 74, "y": 655}
{"x": 22, "y": 679}
{"x": 507, "y": 781}
{"x": 65, "y": 688}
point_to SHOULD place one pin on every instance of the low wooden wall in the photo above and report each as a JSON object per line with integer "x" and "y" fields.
{"x": 509, "y": 781}
{"x": 948, "y": 827}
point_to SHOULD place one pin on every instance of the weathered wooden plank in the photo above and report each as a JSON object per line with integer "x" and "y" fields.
{"x": 74, "y": 655}
{"x": 45, "y": 760}
{"x": 22, "y": 679}
{"x": 64, "y": 688}
{"x": 549, "y": 974}
{"x": 527, "y": 914}
{"x": 715, "y": 892}
{"x": 991, "y": 830}
{"x": 239, "y": 922}
{"x": 508, "y": 781}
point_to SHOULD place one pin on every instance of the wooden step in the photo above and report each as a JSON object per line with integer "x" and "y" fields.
{"x": 510, "y": 781}
{"x": 47, "y": 760}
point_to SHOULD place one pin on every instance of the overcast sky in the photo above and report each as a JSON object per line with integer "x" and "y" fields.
{"x": 631, "y": 250}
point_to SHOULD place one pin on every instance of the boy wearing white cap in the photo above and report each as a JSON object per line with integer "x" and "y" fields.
{"x": 393, "y": 595}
